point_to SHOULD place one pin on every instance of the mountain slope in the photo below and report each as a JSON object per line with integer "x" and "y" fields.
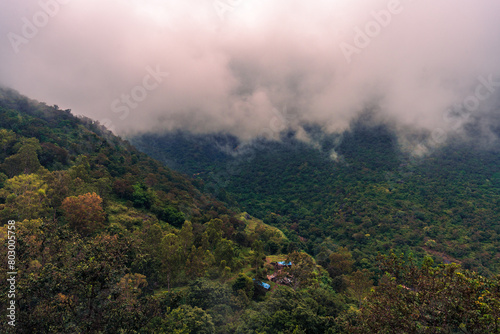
{"x": 361, "y": 190}
{"x": 100, "y": 238}
{"x": 99, "y": 229}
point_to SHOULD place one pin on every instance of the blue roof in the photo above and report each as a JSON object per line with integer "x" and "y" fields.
{"x": 283, "y": 263}
{"x": 264, "y": 285}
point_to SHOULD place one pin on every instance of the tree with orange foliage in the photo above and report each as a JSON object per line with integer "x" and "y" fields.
{"x": 84, "y": 213}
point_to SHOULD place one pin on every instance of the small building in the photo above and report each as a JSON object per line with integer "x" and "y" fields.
{"x": 285, "y": 264}
{"x": 262, "y": 284}
{"x": 281, "y": 264}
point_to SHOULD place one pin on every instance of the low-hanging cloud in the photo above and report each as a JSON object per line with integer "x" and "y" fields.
{"x": 253, "y": 67}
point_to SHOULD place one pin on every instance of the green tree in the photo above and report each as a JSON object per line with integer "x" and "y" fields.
{"x": 7, "y": 140}
{"x": 25, "y": 160}
{"x": 143, "y": 197}
{"x": 198, "y": 261}
{"x": 186, "y": 238}
{"x": 81, "y": 169}
{"x": 302, "y": 271}
{"x": 360, "y": 283}
{"x": 245, "y": 284}
{"x": 287, "y": 310}
{"x": 186, "y": 320}
{"x": 25, "y": 197}
{"x": 214, "y": 232}
{"x": 340, "y": 263}
{"x": 59, "y": 183}
{"x": 207, "y": 294}
{"x": 429, "y": 299}
{"x": 70, "y": 284}
{"x": 171, "y": 255}
{"x": 258, "y": 257}
{"x": 224, "y": 252}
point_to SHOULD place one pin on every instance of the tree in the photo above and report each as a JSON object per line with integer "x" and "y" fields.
{"x": 302, "y": 270}
{"x": 258, "y": 256}
{"x": 198, "y": 262}
{"x": 25, "y": 197}
{"x": 186, "y": 319}
{"x": 130, "y": 286}
{"x": 168, "y": 213}
{"x": 339, "y": 264}
{"x": 59, "y": 186}
{"x": 71, "y": 284}
{"x": 287, "y": 310}
{"x": 360, "y": 283}
{"x": 81, "y": 169}
{"x": 429, "y": 299}
{"x": 52, "y": 156}
{"x": 171, "y": 255}
{"x": 245, "y": 283}
{"x": 214, "y": 232}
{"x": 84, "y": 213}
{"x": 207, "y": 294}
{"x": 123, "y": 188}
{"x": 224, "y": 252}
{"x": 143, "y": 197}
{"x": 187, "y": 238}
{"x": 7, "y": 140}
{"x": 25, "y": 160}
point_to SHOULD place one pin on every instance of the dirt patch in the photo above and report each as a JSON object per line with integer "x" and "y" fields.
{"x": 446, "y": 258}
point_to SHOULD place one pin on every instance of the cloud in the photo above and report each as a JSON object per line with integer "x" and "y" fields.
{"x": 254, "y": 67}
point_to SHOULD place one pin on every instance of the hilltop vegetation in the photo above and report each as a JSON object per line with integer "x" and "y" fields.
{"x": 109, "y": 240}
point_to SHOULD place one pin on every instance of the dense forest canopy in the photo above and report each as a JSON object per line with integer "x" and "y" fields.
{"x": 109, "y": 240}
{"x": 361, "y": 189}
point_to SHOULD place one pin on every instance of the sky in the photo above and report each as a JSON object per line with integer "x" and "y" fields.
{"x": 255, "y": 67}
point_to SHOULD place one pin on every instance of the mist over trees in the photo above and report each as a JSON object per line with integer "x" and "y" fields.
{"x": 110, "y": 240}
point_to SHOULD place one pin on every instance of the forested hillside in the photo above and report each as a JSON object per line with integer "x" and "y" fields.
{"x": 360, "y": 190}
{"x": 108, "y": 240}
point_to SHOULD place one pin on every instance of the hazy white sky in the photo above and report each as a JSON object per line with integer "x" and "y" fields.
{"x": 236, "y": 65}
